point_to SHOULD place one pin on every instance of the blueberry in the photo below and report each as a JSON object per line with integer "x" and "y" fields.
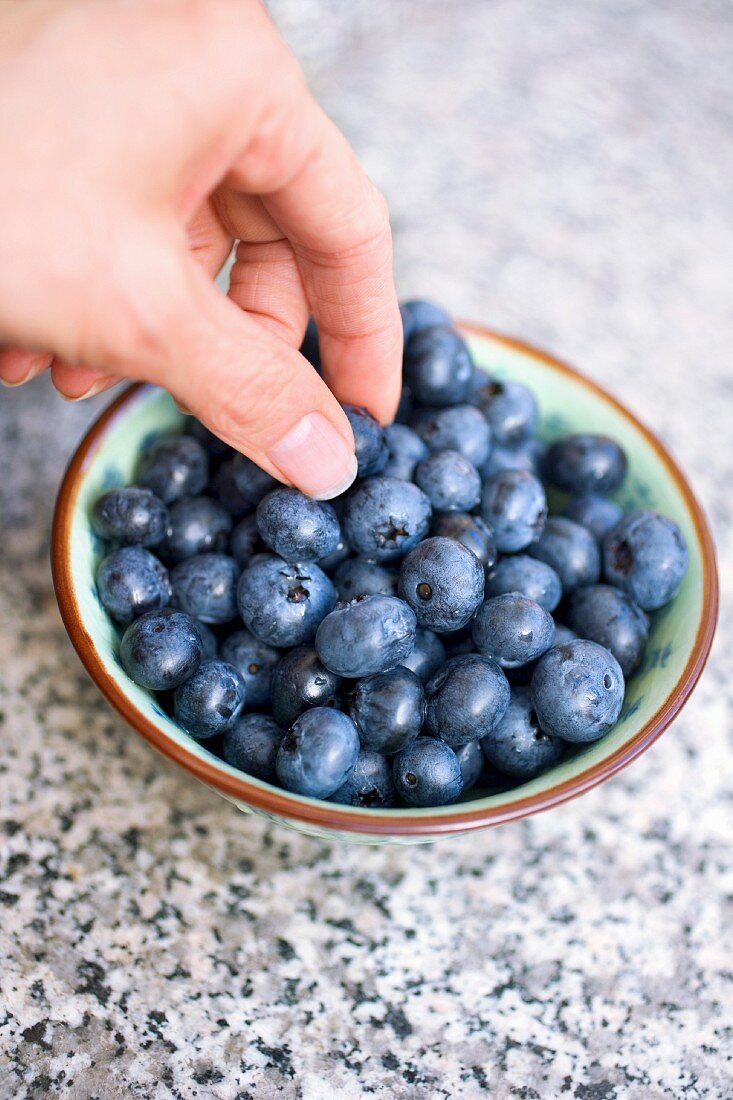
{"x": 371, "y": 783}
{"x": 245, "y": 540}
{"x": 598, "y": 514}
{"x": 252, "y": 744}
{"x": 608, "y": 616}
{"x": 514, "y": 505}
{"x": 419, "y": 313}
{"x": 208, "y": 640}
{"x": 443, "y": 582}
{"x": 517, "y": 746}
{"x": 471, "y": 531}
{"x": 309, "y": 349}
{"x": 646, "y": 556}
{"x": 528, "y": 455}
{"x": 577, "y": 691}
{"x": 297, "y": 527}
{"x": 459, "y": 428}
{"x": 250, "y": 480}
{"x": 318, "y": 754}
{"x": 405, "y": 407}
{"x": 224, "y": 489}
{"x": 428, "y": 654}
{"x": 511, "y": 410}
{"x": 205, "y": 587}
{"x": 216, "y": 447}
{"x": 466, "y": 699}
{"x": 384, "y": 517}
{"x": 368, "y": 635}
{"x": 471, "y": 761}
{"x": 427, "y": 773}
{"x": 570, "y": 550}
{"x": 282, "y": 604}
{"x": 533, "y": 578}
{"x": 406, "y": 449}
{"x": 254, "y": 661}
{"x": 583, "y": 464}
{"x": 438, "y": 366}
{"x": 388, "y": 709}
{"x": 131, "y": 581}
{"x": 210, "y": 700}
{"x": 563, "y": 634}
{"x": 450, "y": 482}
{"x": 130, "y": 517}
{"x": 196, "y": 525}
{"x": 512, "y": 629}
{"x": 357, "y": 577}
{"x": 161, "y": 649}
{"x": 369, "y": 441}
{"x": 300, "y": 681}
{"x": 175, "y": 467}
{"x": 340, "y": 553}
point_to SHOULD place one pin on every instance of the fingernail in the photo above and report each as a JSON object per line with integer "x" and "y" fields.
{"x": 315, "y": 457}
{"x": 37, "y": 368}
{"x": 98, "y": 387}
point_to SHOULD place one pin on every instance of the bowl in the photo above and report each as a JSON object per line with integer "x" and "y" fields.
{"x": 678, "y": 647}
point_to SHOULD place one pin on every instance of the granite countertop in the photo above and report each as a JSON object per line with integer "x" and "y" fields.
{"x": 562, "y": 173}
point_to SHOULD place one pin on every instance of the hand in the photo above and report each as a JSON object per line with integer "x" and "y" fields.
{"x": 139, "y": 139}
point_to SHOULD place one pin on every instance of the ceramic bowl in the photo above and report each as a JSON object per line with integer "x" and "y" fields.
{"x": 678, "y": 646}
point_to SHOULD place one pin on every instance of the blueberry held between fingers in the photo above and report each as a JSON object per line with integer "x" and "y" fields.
{"x": 161, "y": 649}
{"x": 283, "y": 603}
{"x": 570, "y": 550}
{"x": 130, "y": 582}
{"x": 427, "y": 773}
{"x": 297, "y": 527}
{"x": 585, "y": 463}
{"x": 254, "y": 661}
{"x": 577, "y": 691}
{"x": 388, "y": 709}
{"x": 471, "y": 530}
{"x": 175, "y": 467}
{"x": 606, "y": 615}
{"x": 443, "y": 582}
{"x": 318, "y": 754}
{"x": 406, "y": 449}
{"x": 517, "y": 746}
{"x": 438, "y": 367}
{"x": 205, "y": 587}
{"x": 210, "y": 700}
{"x": 466, "y": 699}
{"x": 370, "y": 784}
{"x": 645, "y": 555}
{"x": 458, "y": 428}
{"x": 299, "y": 681}
{"x": 384, "y": 517}
{"x": 130, "y": 516}
{"x": 368, "y": 635}
{"x": 597, "y": 513}
{"x": 514, "y": 505}
{"x": 369, "y": 441}
{"x": 450, "y": 482}
{"x": 512, "y": 629}
{"x": 427, "y": 656}
{"x": 511, "y": 410}
{"x": 358, "y": 577}
{"x": 196, "y": 525}
{"x": 531, "y": 577}
{"x": 252, "y": 743}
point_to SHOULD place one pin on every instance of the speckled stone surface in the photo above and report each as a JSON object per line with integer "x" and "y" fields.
{"x": 562, "y": 172}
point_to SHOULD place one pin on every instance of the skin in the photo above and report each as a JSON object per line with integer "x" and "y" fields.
{"x": 141, "y": 141}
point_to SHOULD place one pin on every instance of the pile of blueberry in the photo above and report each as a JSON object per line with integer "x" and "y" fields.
{"x": 396, "y": 644}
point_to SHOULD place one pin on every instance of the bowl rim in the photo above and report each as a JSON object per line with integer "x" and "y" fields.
{"x": 333, "y": 816}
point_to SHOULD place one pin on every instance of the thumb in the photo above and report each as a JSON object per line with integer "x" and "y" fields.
{"x": 248, "y": 386}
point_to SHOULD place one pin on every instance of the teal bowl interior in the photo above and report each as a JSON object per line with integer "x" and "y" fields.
{"x": 679, "y": 642}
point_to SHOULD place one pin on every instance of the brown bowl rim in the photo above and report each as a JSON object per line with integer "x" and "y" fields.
{"x": 332, "y": 816}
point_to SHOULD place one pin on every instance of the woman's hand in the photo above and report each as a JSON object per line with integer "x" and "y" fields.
{"x": 139, "y": 139}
